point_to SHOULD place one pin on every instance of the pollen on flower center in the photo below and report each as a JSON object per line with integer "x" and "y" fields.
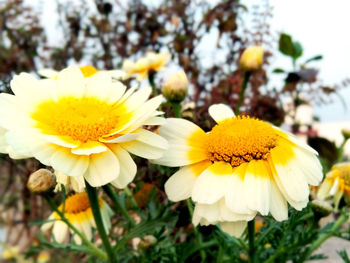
{"x": 76, "y": 203}
{"x": 83, "y": 119}
{"x": 240, "y": 139}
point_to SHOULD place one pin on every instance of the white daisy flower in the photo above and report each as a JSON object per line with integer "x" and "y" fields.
{"x": 242, "y": 167}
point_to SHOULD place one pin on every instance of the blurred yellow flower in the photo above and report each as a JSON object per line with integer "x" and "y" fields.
{"x": 82, "y": 126}
{"x": 43, "y": 257}
{"x": 87, "y": 71}
{"x": 336, "y": 184}
{"x": 252, "y": 58}
{"x": 175, "y": 87}
{"x": 242, "y": 167}
{"x": 151, "y": 62}
{"x": 78, "y": 211}
{"x": 10, "y": 252}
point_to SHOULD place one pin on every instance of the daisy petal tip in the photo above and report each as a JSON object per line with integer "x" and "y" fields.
{"x": 220, "y": 112}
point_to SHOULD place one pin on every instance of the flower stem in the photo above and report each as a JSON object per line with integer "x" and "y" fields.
{"x": 97, "y": 252}
{"x": 251, "y": 239}
{"x": 196, "y": 232}
{"x": 243, "y": 89}
{"x": 95, "y": 208}
{"x": 176, "y": 109}
{"x": 151, "y": 77}
{"x": 323, "y": 237}
{"x": 111, "y": 193}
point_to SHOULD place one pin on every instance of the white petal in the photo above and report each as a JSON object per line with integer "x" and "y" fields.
{"x": 220, "y": 112}
{"x": 138, "y": 98}
{"x": 155, "y": 121}
{"x": 64, "y": 141}
{"x": 123, "y": 138}
{"x": 3, "y": 142}
{"x": 310, "y": 165}
{"x": 143, "y": 113}
{"x": 278, "y": 204}
{"x": 103, "y": 169}
{"x": 290, "y": 175}
{"x": 117, "y": 89}
{"x": 178, "y": 129}
{"x": 60, "y": 231}
{"x": 70, "y": 164}
{"x": 212, "y": 184}
{"x": 90, "y": 147}
{"x": 127, "y": 167}
{"x": 21, "y": 142}
{"x": 179, "y": 186}
{"x": 257, "y": 187}
{"x": 144, "y": 150}
{"x": 151, "y": 138}
{"x": 235, "y": 229}
{"x": 48, "y": 73}
{"x": 70, "y": 83}
{"x": 236, "y": 192}
{"x": 291, "y": 137}
{"x": 324, "y": 190}
{"x": 98, "y": 86}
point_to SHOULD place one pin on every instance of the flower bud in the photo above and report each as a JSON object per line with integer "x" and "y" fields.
{"x": 41, "y": 181}
{"x": 346, "y": 133}
{"x": 252, "y": 58}
{"x": 175, "y": 87}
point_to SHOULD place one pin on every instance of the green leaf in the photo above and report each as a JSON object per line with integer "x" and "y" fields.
{"x": 297, "y": 50}
{"x": 139, "y": 231}
{"x": 318, "y": 57}
{"x": 286, "y": 45}
{"x": 278, "y": 70}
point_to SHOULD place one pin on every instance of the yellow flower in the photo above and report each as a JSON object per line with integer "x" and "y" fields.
{"x": 252, "y": 58}
{"x": 10, "y": 252}
{"x": 175, "y": 87}
{"x": 82, "y": 126}
{"x": 87, "y": 71}
{"x": 142, "y": 67}
{"x": 336, "y": 184}
{"x": 78, "y": 211}
{"x": 43, "y": 257}
{"x": 241, "y": 167}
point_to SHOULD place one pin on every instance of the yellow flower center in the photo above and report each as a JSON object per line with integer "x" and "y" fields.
{"x": 88, "y": 70}
{"x": 76, "y": 203}
{"x": 343, "y": 172}
{"x": 239, "y": 140}
{"x": 83, "y": 119}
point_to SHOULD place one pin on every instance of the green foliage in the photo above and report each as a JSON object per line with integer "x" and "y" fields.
{"x": 289, "y": 47}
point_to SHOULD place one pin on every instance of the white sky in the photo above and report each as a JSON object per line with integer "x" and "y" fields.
{"x": 322, "y": 27}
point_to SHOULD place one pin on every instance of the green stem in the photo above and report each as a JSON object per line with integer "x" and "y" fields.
{"x": 243, "y": 89}
{"x": 251, "y": 239}
{"x": 177, "y": 109}
{"x": 95, "y": 208}
{"x": 97, "y": 252}
{"x": 151, "y": 77}
{"x": 341, "y": 151}
{"x": 112, "y": 194}
{"x": 323, "y": 237}
{"x": 196, "y": 232}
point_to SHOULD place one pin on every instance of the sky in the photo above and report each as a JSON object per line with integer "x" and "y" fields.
{"x": 320, "y": 25}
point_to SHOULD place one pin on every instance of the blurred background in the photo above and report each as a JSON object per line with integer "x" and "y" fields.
{"x": 303, "y": 85}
